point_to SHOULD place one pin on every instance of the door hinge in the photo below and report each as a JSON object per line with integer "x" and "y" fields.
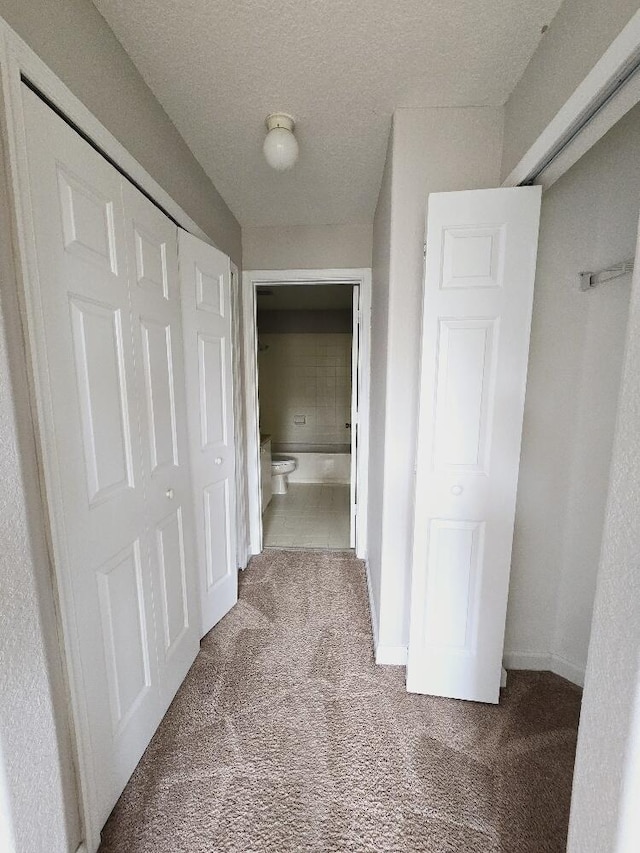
{"x": 424, "y": 251}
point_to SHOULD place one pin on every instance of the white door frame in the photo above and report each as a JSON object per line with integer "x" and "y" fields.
{"x": 251, "y": 279}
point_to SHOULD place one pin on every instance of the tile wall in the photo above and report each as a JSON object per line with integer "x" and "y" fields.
{"x": 305, "y": 376}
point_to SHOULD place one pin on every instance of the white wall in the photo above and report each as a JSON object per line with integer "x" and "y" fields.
{"x": 306, "y": 375}
{"x": 380, "y": 283}
{"x": 604, "y": 815}
{"x": 299, "y": 247}
{"x": 433, "y": 150}
{"x": 577, "y": 37}
{"x": 75, "y": 41}
{"x": 588, "y": 221}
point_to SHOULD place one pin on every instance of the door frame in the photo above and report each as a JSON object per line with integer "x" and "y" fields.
{"x": 251, "y": 279}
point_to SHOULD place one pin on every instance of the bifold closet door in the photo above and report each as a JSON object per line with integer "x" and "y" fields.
{"x": 205, "y": 275}
{"x": 105, "y": 324}
{"x": 152, "y": 256}
{"x": 479, "y": 273}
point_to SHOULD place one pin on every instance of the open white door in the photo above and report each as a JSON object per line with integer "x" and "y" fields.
{"x": 205, "y": 275}
{"x": 355, "y": 349}
{"x": 479, "y": 273}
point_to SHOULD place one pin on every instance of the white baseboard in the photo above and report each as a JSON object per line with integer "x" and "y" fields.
{"x": 372, "y": 608}
{"x": 384, "y": 655}
{"x": 567, "y": 670}
{"x": 391, "y": 655}
{"x": 526, "y": 660}
{"x": 541, "y": 662}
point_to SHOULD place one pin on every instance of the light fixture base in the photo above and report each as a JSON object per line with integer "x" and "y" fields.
{"x": 280, "y": 120}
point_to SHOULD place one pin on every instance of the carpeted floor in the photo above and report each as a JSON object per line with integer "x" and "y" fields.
{"x": 286, "y": 737}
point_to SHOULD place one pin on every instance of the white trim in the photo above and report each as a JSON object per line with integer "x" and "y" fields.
{"x": 527, "y": 660}
{"x": 250, "y": 279}
{"x": 252, "y": 416}
{"x": 616, "y": 57}
{"x": 242, "y": 533}
{"x": 561, "y": 666}
{"x": 17, "y": 58}
{"x": 391, "y": 655}
{"x": 383, "y": 655}
{"x": 540, "y": 662}
{"x": 397, "y": 656}
{"x": 373, "y": 613}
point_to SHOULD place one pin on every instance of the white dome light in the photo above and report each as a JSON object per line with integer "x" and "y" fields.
{"x": 280, "y": 145}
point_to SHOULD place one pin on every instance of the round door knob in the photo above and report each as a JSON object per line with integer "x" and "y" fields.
{"x": 218, "y": 460}
{"x": 456, "y": 490}
{"x": 169, "y": 493}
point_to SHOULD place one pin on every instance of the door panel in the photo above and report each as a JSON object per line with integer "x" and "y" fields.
{"x": 173, "y": 580}
{"x": 479, "y": 273}
{"x": 157, "y": 325}
{"x": 91, "y": 439}
{"x": 216, "y": 506}
{"x": 121, "y": 593}
{"x": 206, "y": 304}
{"x": 100, "y": 364}
{"x": 157, "y": 355}
{"x": 464, "y": 393}
{"x": 212, "y": 378}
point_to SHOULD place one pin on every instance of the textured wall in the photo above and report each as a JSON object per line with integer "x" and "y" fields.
{"x": 75, "y": 41}
{"x": 610, "y": 719}
{"x": 434, "y": 150}
{"x": 302, "y": 247}
{"x": 308, "y": 375}
{"x": 578, "y": 36}
{"x": 577, "y": 340}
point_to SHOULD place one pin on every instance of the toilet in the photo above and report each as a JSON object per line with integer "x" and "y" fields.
{"x": 281, "y": 467}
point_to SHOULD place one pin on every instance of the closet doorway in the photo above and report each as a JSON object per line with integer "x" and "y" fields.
{"x": 307, "y": 382}
{"x": 129, "y": 329}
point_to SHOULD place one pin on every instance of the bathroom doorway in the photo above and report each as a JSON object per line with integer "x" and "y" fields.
{"x": 306, "y": 370}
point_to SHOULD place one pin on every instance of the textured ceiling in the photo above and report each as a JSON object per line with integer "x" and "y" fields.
{"x": 219, "y": 67}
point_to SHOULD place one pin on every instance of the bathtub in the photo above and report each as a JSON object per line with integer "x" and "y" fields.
{"x": 318, "y": 463}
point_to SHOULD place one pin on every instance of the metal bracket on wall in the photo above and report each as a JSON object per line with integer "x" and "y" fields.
{"x": 589, "y": 280}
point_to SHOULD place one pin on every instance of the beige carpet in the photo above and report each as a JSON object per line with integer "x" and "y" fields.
{"x": 286, "y": 737}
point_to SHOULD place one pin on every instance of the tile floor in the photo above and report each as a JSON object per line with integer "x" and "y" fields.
{"x": 310, "y": 515}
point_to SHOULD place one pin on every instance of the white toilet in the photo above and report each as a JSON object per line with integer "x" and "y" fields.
{"x": 281, "y": 467}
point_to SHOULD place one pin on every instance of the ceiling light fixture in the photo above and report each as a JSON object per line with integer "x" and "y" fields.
{"x": 280, "y": 145}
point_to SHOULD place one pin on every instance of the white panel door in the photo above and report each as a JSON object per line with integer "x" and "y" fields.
{"x": 152, "y": 253}
{"x": 205, "y": 276}
{"x": 91, "y": 437}
{"x": 479, "y": 274}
